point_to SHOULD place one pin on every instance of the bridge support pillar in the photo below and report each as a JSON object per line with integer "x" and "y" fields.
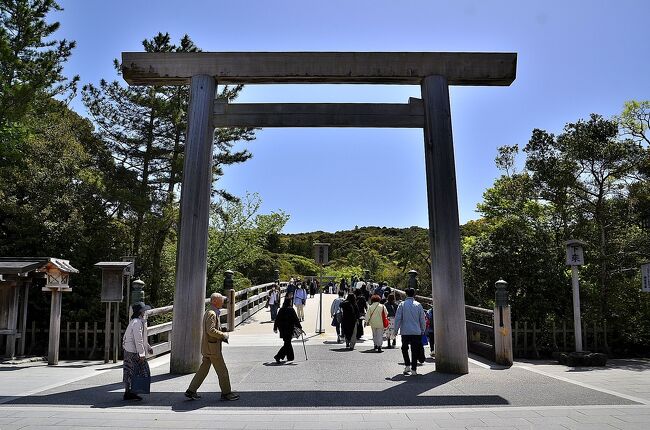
{"x": 191, "y": 263}
{"x": 444, "y": 230}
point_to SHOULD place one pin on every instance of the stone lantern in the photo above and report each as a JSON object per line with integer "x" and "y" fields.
{"x": 137, "y": 291}
{"x": 413, "y": 279}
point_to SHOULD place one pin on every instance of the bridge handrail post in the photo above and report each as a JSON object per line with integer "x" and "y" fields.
{"x": 231, "y": 309}
{"x": 502, "y": 325}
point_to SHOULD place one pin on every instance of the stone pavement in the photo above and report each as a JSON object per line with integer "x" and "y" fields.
{"x": 333, "y": 389}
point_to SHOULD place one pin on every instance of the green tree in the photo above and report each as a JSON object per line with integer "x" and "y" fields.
{"x": 238, "y": 235}
{"x": 30, "y": 66}
{"x": 58, "y": 200}
{"x": 146, "y": 128}
{"x": 587, "y": 166}
{"x": 634, "y": 121}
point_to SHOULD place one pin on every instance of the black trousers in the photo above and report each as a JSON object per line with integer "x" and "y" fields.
{"x": 286, "y": 350}
{"x": 417, "y": 349}
{"x": 359, "y": 329}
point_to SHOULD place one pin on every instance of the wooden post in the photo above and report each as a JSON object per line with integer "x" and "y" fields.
{"x": 191, "y": 263}
{"x": 107, "y": 334}
{"x": 116, "y": 332}
{"x": 231, "y": 310}
{"x": 525, "y": 354}
{"x": 12, "y": 317}
{"x": 503, "y": 336}
{"x": 55, "y": 328}
{"x": 32, "y": 339}
{"x": 577, "y": 326}
{"x": 444, "y": 230}
{"x": 85, "y": 337}
{"x": 23, "y": 319}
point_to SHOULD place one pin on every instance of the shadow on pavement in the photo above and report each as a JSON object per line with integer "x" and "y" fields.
{"x": 408, "y": 394}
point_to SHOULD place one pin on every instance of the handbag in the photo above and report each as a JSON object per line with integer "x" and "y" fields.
{"x": 141, "y": 384}
{"x": 297, "y": 332}
{"x": 425, "y": 339}
{"x": 384, "y": 319}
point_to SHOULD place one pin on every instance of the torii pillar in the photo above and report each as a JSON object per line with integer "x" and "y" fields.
{"x": 444, "y": 230}
{"x": 192, "y": 262}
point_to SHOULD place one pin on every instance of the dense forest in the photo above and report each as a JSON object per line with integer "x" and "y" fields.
{"x": 105, "y": 183}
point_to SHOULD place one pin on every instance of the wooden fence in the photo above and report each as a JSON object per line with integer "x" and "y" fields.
{"x": 479, "y": 323}
{"x": 241, "y": 306}
{"x": 85, "y": 340}
{"x": 534, "y": 340}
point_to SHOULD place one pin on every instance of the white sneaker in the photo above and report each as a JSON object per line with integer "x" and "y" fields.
{"x": 407, "y": 370}
{"x": 414, "y": 372}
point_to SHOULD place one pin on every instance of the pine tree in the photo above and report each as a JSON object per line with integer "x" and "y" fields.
{"x": 31, "y": 67}
{"x": 145, "y": 128}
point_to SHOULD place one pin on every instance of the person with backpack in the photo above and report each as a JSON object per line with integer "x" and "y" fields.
{"x": 376, "y": 314}
{"x": 337, "y": 317}
{"x": 285, "y": 323}
{"x": 410, "y": 321}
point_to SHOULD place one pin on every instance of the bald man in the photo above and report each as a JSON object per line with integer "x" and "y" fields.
{"x": 211, "y": 350}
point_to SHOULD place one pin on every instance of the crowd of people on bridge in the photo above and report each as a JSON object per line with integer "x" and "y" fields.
{"x": 367, "y": 305}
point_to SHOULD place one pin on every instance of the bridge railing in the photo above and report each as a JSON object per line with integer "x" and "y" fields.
{"x": 482, "y": 329}
{"x": 241, "y": 305}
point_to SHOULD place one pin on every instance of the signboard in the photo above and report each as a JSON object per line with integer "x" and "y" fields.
{"x": 574, "y": 255}
{"x": 112, "y": 286}
{"x": 645, "y": 278}
{"x": 113, "y": 273}
{"x": 321, "y": 253}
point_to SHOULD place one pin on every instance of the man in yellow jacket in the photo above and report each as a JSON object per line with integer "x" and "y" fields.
{"x": 211, "y": 350}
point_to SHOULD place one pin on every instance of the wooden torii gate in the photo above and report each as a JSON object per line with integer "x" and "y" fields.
{"x": 433, "y": 71}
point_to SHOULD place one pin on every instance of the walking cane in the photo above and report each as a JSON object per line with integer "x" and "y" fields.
{"x": 302, "y": 334}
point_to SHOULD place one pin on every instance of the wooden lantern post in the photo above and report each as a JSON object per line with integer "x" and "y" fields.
{"x": 57, "y": 272}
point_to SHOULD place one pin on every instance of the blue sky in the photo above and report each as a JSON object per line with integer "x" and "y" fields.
{"x": 574, "y": 58}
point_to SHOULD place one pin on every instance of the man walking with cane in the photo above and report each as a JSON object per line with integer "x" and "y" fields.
{"x": 211, "y": 343}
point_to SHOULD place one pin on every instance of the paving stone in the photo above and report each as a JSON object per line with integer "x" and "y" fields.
{"x": 590, "y": 426}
